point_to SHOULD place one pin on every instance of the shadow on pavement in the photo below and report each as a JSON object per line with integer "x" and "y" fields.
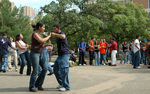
{"x": 23, "y": 89}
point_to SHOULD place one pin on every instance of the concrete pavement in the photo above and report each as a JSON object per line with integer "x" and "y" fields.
{"x": 122, "y": 79}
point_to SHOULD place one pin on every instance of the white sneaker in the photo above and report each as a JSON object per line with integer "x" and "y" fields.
{"x": 104, "y": 64}
{"x": 84, "y": 64}
{"x": 59, "y": 86}
{"x": 62, "y": 89}
{"x": 80, "y": 65}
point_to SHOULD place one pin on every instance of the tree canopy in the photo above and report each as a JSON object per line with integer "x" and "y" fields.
{"x": 13, "y": 21}
{"x": 102, "y": 19}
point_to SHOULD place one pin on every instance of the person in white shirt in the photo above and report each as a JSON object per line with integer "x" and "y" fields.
{"x": 12, "y": 52}
{"x": 137, "y": 55}
{"x": 24, "y": 55}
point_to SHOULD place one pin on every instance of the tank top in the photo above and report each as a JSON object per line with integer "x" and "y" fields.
{"x": 124, "y": 48}
{"x": 36, "y": 46}
{"x": 96, "y": 50}
{"x": 21, "y": 51}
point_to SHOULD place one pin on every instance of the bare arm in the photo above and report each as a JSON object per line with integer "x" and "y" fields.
{"x": 137, "y": 46}
{"x": 13, "y": 47}
{"x": 61, "y": 36}
{"x": 46, "y": 45}
{"x": 18, "y": 45}
{"x": 40, "y": 39}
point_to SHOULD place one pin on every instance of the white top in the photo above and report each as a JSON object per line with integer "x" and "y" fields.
{"x": 10, "y": 49}
{"x": 21, "y": 51}
{"x": 49, "y": 47}
{"x": 135, "y": 49}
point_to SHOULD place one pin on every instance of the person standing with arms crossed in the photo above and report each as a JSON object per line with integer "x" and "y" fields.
{"x": 61, "y": 66}
{"x": 91, "y": 50}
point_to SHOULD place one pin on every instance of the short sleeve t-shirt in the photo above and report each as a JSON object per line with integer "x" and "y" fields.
{"x": 62, "y": 45}
{"x": 102, "y": 50}
{"x": 92, "y": 44}
{"x": 82, "y": 45}
{"x": 135, "y": 49}
{"x": 10, "y": 49}
{"x": 4, "y": 43}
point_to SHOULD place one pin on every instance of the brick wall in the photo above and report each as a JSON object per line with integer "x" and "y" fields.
{"x": 143, "y": 2}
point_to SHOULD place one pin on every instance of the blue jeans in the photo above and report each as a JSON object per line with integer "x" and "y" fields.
{"x": 61, "y": 70}
{"x": 143, "y": 57}
{"x": 25, "y": 56}
{"x": 49, "y": 56}
{"x": 97, "y": 58}
{"x": 137, "y": 59}
{"x": 103, "y": 57}
{"x": 37, "y": 59}
{"x": 125, "y": 54}
{"x": 4, "y": 62}
{"x": 46, "y": 60}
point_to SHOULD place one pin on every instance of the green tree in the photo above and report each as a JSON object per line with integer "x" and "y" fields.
{"x": 13, "y": 21}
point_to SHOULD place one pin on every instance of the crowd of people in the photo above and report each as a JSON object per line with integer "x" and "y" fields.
{"x": 135, "y": 52}
{"x": 99, "y": 51}
{"x": 37, "y": 56}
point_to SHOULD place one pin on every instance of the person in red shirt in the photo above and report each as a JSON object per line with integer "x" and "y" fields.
{"x": 102, "y": 52}
{"x": 106, "y": 49}
{"x": 114, "y": 52}
{"x": 91, "y": 50}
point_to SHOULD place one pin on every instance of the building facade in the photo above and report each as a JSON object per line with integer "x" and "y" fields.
{"x": 145, "y": 3}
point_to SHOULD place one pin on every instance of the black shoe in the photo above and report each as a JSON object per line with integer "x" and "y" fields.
{"x": 1, "y": 70}
{"x": 50, "y": 73}
{"x": 4, "y": 71}
{"x": 40, "y": 88}
{"x": 33, "y": 90}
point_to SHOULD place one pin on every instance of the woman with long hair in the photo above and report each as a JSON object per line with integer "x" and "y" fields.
{"x": 37, "y": 57}
{"x": 24, "y": 55}
{"x": 97, "y": 53}
{"x": 12, "y": 52}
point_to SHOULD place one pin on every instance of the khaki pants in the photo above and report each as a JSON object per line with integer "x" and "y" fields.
{"x": 15, "y": 59}
{"x": 71, "y": 63}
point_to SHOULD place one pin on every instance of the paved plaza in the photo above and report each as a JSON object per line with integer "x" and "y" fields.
{"x": 122, "y": 79}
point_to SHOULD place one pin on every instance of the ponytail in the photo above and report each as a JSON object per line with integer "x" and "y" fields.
{"x": 36, "y": 27}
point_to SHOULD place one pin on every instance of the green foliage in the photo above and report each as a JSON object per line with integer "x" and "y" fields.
{"x": 13, "y": 23}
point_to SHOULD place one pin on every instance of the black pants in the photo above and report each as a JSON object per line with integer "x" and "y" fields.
{"x": 81, "y": 58}
{"x": 91, "y": 53}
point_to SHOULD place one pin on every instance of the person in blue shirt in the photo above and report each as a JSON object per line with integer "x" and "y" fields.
{"x": 61, "y": 66}
{"x": 4, "y": 43}
{"x": 82, "y": 49}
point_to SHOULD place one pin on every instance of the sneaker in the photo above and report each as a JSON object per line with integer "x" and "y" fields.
{"x": 84, "y": 64}
{"x": 138, "y": 67}
{"x": 59, "y": 86}
{"x": 80, "y": 65}
{"x": 16, "y": 70}
{"x": 10, "y": 70}
{"x": 104, "y": 64}
{"x": 62, "y": 89}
